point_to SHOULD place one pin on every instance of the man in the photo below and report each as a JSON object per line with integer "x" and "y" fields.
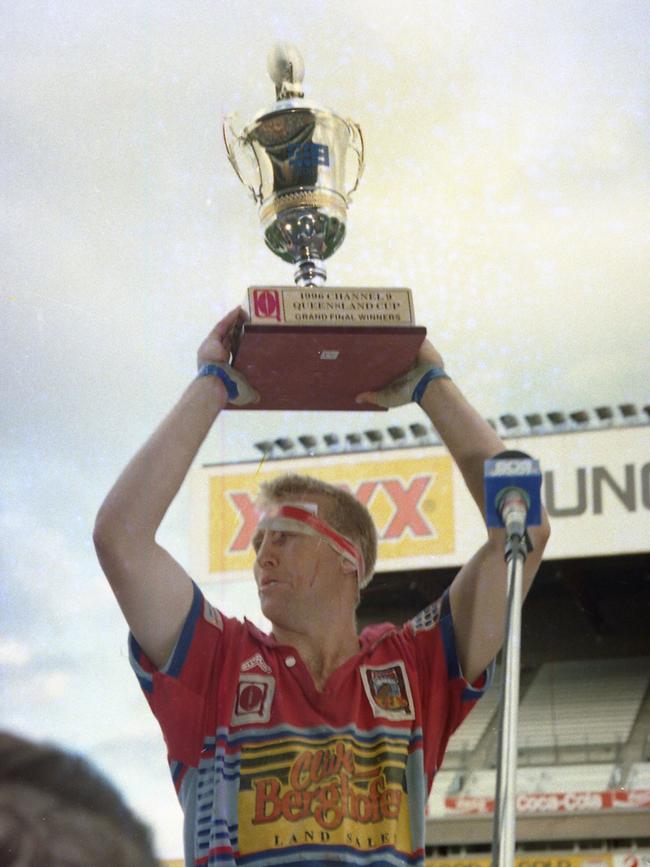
{"x": 314, "y": 744}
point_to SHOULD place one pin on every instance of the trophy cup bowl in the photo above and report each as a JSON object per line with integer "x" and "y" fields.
{"x": 310, "y": 347}
{"x": 294, "y": 159}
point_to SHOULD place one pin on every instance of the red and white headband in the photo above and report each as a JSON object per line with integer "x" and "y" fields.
{"x": 303, "y": 518}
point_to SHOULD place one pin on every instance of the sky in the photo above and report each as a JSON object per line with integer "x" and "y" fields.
{"x": 507, "y": 183}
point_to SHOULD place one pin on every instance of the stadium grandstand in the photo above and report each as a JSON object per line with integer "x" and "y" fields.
{"x": 583, "y": 778}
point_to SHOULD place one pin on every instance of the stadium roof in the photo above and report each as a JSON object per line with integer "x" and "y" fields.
{"x": 419, "y": 434}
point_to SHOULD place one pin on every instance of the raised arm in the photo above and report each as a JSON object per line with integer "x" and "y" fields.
{"x": 478, "y": 593}
{"x": 152, "y": 589}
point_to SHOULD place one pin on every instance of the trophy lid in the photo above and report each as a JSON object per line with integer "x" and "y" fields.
{"x": 286, "y": 69}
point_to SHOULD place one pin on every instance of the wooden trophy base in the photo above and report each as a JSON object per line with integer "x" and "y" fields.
{"x": 308, "y": 367}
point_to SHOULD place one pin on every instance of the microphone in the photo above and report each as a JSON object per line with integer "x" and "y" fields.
{"x": 513, "y": 482}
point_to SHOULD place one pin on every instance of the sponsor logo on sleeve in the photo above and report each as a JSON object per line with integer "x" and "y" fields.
{"x": 212, "y": 615}
{"x": 427, "y": 618}
{"x": 388, "y": 690}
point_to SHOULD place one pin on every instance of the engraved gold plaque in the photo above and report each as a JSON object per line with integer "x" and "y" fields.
{"x": 290, "y": 305}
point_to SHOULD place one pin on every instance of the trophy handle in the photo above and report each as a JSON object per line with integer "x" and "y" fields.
{"x": 233, "y": 140}
{"x": 356, "y": 144}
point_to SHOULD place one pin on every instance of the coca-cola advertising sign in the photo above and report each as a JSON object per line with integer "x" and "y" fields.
{"x": 559, "y": 802}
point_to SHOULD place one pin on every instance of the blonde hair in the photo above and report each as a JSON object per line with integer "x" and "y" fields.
{"x": 342, "y": 511}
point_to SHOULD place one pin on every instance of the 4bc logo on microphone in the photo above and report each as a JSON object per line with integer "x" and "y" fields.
{"x": 505, "y": 472}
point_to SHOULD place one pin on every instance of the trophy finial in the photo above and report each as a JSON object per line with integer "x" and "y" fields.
{"x": 287, "y": 70}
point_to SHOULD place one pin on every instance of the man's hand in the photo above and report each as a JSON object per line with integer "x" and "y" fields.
{"x": 217, "y": 346}
{"x": 428, "y": 354}
{"x": 216, "y": 349}
{"x": 400, "y": 391}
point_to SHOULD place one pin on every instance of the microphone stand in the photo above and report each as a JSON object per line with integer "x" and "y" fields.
{"x": 503, "y": 829}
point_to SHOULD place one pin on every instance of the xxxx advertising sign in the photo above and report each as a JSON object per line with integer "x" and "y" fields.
{"x": 595, "y": 485}
{"x": 410, "y": 495}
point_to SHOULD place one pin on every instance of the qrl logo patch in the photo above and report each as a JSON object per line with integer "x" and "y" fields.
{"x": 388, "y": 690}
{"x": 266, "y": 304}
{"x": 253, "y": 699}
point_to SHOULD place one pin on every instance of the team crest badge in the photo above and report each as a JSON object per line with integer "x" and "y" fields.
{"x": 388, "y": 690}
{"x": 253, "y": 699}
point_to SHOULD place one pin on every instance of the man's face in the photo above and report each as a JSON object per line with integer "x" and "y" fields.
{"x": 294, "y": 572}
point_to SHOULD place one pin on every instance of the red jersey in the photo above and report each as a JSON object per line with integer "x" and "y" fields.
{"x": 271, "y": 771}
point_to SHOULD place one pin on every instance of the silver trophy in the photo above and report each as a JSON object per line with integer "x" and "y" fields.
{"x": 295, "y": 160}
{"x": 308, "y": 346}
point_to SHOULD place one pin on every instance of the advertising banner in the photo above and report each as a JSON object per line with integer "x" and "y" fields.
{"x": 410, "y": 494}
{"x": 560, "y": 802}
{"x": 596, "y": 486}
{"x": 634, "y": 858}
{"x": 545, "y": 859}
{"x": 620, "y": 858}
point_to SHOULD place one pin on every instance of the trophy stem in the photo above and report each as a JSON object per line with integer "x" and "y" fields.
{"x": 310, "y": 272}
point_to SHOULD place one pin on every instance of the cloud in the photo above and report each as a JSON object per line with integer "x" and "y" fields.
{"x": 50, "y": 570}
{"x": 41, "y": 688}
{"x": 14, "y": 653}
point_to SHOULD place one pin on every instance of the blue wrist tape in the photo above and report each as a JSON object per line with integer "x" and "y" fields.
{"x": 420, "y": 388}
{"x": 218, "y": 370}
